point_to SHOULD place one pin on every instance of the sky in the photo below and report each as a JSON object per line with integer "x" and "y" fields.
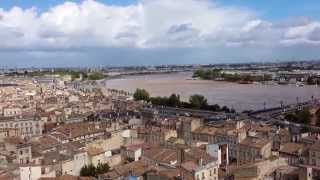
{"x": 57, "y": 33}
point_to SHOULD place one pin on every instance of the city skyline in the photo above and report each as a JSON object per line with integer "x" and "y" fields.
{"x": 153, "y": 32}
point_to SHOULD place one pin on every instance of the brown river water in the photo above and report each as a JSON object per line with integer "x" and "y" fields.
{"x": 239, "y": 96}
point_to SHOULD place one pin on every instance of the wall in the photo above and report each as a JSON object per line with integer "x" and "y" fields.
{"x": 209, "y": 173}
{"x": 67, "y": 167}
{"x": 79, "y": 160}
{"x": 30, "y": 173}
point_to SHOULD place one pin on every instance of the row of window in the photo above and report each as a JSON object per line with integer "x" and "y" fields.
{"x": 210, "y": 174}
{"x": 15, "y": 125}
{"x": 9, "y": 113}
{"x": 26, "y": 151}
{"x": 215, "y": 139}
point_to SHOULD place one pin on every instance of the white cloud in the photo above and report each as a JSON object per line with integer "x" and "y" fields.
{"x": 148, "y": 24}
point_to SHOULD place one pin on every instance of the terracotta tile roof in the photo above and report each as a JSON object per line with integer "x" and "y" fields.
{"x": 136, "y": 168}
{"x": 92, "y": 151}
{"x": 67, "y": 177}
{"x": 254, "y": 142}
{"x": 171, "y": 174}
{"x": 195, "y": 154}
{"x": 14, "y": 140}
{"x": 190, "y": 166}
{"x": 206, "y": 130}
{"x": 260, "y": 128}
{"x": 162, "y": 155}
{"x": 134, "y": 147}
{"x": 45, "y": 142}
{"x": 54, "y": 157}
{"x": 79, "y": 129}
{"x": 292, "y": 148}
{"x": 111, "y": 175}
{"x": 315, "y": 147}
{"x": 6, "y": 177}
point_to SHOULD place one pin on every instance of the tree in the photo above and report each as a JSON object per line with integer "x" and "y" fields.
{"x": 310, "y": 81}
{"x": 141, "y": 94}
{"x": 300, "y": 116}
{"x": 95, "y": 76}
{"x": 304, "y": 116}
{"x": 92, "y": 171}
{"x": 174, "y": 100}
{"x": 291, "y": 117}
{"x": 161, "y": 101}
{"x": 88, "y": 171}
{"x": 102, "y": 168}
{"x": 225, "y": 109}
{"x": 214, "y": 107}
{"x": 198, "y": 101}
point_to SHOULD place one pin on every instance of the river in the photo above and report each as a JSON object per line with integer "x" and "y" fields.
{"x": 239, "y": 96}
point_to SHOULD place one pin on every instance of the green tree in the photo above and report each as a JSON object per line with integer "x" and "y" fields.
{"x": 92, "y": 171}
{"x": 198, "y": 101}
{"x": 141, "y": 94}
{"x": 310, "y": 81}
{"x": 95, "y": 76}
{"x": 300, "y": 116}
{"x": 226, "y": 109}
{"x": 174, "y": 100}
{"x": 102, "y": 168}
{"x": 158, "y": 100}
{"x": 304, "y": 116}
{"x": 291, "y": 117}
{"x": 88, "y": 171}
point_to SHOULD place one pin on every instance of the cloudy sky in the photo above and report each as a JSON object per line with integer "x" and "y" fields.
{"x": 56, "y": 33}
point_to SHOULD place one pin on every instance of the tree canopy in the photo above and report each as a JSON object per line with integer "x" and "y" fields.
{"x": 141, "y": 95}
{"x": 300, "y": 116}
{"x": 95, "y": 76}
{"x": 92, "y": 171}
{"x": 212, "y": 74}
{"x": 198, "y": 101}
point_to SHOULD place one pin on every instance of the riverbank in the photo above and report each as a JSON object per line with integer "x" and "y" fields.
{"x": 234, "y": 95}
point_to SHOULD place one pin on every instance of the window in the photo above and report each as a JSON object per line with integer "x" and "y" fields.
{"x": 198, "y": 177}
{"x": 210, "y": 173}
{"x": 214, "y": 171}
{"x": 43, "y": 170}
{"x": 203, "y": 175}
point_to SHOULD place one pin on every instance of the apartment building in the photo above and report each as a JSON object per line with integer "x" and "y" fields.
{"x": 27, "y": 127}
